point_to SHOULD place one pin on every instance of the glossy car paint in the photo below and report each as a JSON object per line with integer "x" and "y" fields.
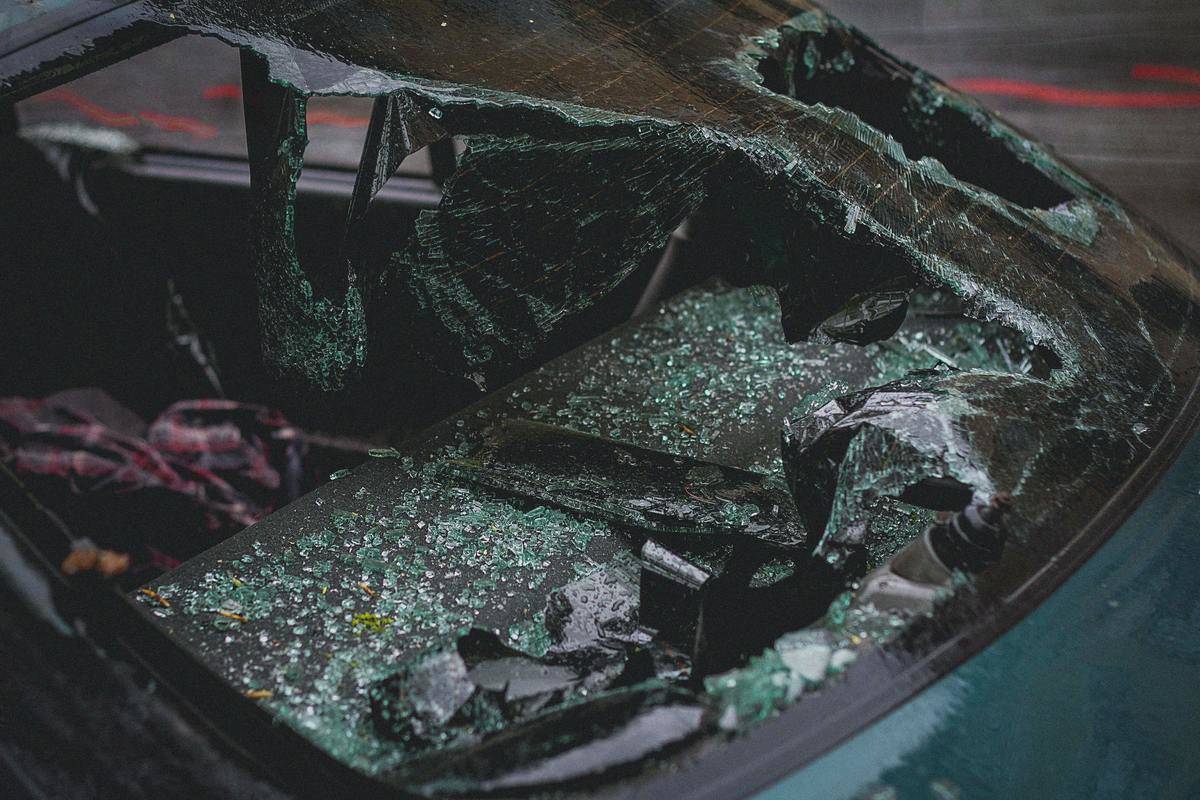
{"x": 1093, "y": 695}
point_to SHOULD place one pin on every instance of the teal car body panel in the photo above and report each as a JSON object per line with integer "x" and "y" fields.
{"x": 1093, "y": 695}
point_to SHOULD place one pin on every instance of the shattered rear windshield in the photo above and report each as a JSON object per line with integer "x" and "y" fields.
{"x": 931, "y": 353}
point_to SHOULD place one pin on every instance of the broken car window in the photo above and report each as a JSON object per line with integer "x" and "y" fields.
{"x": 930, "y": 351}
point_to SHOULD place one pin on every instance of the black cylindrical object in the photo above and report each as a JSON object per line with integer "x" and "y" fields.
{"x": 973, "y": 538}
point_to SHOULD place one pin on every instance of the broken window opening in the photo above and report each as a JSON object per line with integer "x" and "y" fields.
{"x": 313, "y": 327}
{"x": 398, "y": 130}
{"x": 313, "y": 314}
{"x": 1000, "y": 344}
{"x": 833, "y": 64}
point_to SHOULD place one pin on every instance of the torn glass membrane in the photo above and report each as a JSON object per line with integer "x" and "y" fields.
{"x": 968, "y": 350}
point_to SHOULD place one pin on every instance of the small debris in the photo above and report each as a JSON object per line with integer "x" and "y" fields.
{"x": 106, "y": 563}
{"x": 156, "y": 597}
{"x": 374, "y": 623}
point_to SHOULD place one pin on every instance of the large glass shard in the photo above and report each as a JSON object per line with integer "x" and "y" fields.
{"x": 594, "y": 617}
{"x": 397, "y": 130}
{"x": 940, "y": 438}
{"x": 671, "y": 589}
{"x": 627, "y": 485}
{"x": 581, "y": 709}
{"x": 565, "y": 746}
{"x": 868, "y": 317}
{"x": 308, "y": 338}
{"x": 477, "y": 686}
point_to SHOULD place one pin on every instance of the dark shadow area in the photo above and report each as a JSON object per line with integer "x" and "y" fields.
{"x": 107, "y": 247}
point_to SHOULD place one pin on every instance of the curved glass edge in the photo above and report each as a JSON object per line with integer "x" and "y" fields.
{"x": 1093, "y": 694}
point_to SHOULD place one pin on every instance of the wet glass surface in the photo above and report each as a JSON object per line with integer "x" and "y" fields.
{"x": 593, "y": 130}
{"x": 310, "y": 610}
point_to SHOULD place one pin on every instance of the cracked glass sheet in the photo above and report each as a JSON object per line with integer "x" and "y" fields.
{"x": 821, "y": 167}
{"x": 595, "y": 128}
{"x": 310, "y": 609}
{"x": 647, "y": 490}
{"x": 927, "y": 438}
{"x": 830, "y": 170}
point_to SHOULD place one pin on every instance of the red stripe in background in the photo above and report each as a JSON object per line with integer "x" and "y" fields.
{"x": 195, "y": 128}
{"x": 222, "y": 91}
{"x": 1083, "y": 98}
{"x": 167, "y": 122}
{"x": 116, "y": 119}
{"x": 1086, "y": 98}
{"x": 1165, "y": 72}
{"x": 88, "y": 108}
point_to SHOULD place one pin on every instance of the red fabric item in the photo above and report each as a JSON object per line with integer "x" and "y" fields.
{"x": 232, "y": 461}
